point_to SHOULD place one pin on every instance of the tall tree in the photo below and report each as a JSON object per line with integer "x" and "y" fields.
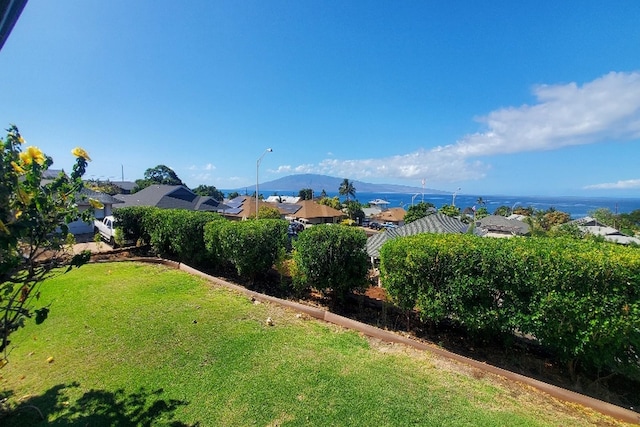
{"x": 209, "y": 190}
{"x": 306, "y": 194}
{"x": 417, "y": 211}
{"x": 347, "y": 189}
{"x": 161, "y": 174}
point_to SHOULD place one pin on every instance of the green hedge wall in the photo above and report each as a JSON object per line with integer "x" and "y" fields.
{"x": 252, "y": 247}
{"x": 331, "y": 258}
{"x": 580, "y": 299}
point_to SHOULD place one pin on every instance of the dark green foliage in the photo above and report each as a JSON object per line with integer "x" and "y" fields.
{"x": 502, "y": 211}
{"x": 209, "y": 190}
{"x": 417, "y": 211}
{"x": 354, "y": 210}
{"x": 131, "y": 221}
{"x": 161, "y": 174}
{"x": 306, "y": 194}
{"x": 331, "y": 258}
{"x": 449, "y": 210}
{"x": 252, "y": 247}
{"x": 580, "y": 299}
{"x": 212, "y": 241}
{"x": 347, "y": 189}
{"x": 178, "y": 233}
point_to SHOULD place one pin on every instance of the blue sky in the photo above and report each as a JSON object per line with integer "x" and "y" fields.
{"x": 493, "y": 97}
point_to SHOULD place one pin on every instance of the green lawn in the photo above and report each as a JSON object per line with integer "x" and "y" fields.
{"x": 136, "y": 344}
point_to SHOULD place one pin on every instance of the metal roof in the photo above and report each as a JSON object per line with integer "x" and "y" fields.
{"x": 434, "y": 223}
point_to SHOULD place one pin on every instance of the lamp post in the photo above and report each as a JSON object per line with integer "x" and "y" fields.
{"x": 453, "y": 199}
{"x": 414, "y": 196}
{"x": 268, "y": 150}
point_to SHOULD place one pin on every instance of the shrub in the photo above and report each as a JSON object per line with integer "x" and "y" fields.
{"x": 331, "y": 258}
{"x": 580, "y": 299}
{"x": 131, "y": 221}
{"x": 253, "y": 247}
{"x": 178, "y": 233}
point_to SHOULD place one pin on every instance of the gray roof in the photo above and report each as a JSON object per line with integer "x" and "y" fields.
{"x": 124, "y": 185}
{"x": 104, "y": 198}
{"x": 171, "y": 197}
{"x": 500, "y": 224}
{"x": 434, "y": 223}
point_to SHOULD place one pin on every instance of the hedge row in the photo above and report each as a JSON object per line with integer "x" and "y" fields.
{"x": 578, "y": 298}
{"x": 252, "y": 247}
{"x": 172, "y": 233}
{"x": 328, "y": 258}
{"x": 331, "y": 258}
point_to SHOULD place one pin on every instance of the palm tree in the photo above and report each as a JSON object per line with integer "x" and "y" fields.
{"x": 347, "y": 189}
{"x": 480, "y": 201}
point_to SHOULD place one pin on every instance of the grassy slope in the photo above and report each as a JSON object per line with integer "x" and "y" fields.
{"x": 136, "y": 343}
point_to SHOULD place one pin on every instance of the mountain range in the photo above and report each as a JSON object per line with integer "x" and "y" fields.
{"x": 331, "y": 184}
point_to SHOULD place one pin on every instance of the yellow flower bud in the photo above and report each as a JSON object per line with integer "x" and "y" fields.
{"x": 79, "y": 152}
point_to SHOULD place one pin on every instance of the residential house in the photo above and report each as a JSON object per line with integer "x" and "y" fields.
{"x": 244, "y": 207}
{"x": 593, "y": 226}
{"x": 126, "y": 187}
{"x": 171, "y": 197}
{"x": 391, "y": 215}
{"x": 82, "y": 200}
{"x": 499, "y": 226}
{"x": 283, "y": 199}
{"x": 314, "y": 213}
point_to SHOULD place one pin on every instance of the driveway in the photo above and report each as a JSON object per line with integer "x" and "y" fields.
{"x": 85, "y": 242}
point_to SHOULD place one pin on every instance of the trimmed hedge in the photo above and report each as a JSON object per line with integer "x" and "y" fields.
{"x": 252, "y": 247}
{"x": 172, "y": 233}
{"x": 331, "y": 258}
{"x": 580, "y": 299}
{"x": 130, "y": 220}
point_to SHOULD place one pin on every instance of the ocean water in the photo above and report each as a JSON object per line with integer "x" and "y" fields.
{"x": 577, "y": 207}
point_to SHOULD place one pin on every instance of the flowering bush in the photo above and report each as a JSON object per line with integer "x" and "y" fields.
{"x": 34, "y": 217}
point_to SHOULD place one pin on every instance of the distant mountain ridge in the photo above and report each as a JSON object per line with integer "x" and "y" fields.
{"x": 331, "y": 184}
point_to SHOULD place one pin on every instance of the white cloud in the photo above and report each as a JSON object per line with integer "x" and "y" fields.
{"x": 620, "y": 185}
{"x": 209, "y": 167}
{"x": 308, "y": 168}
{"x": 603, "y": 110}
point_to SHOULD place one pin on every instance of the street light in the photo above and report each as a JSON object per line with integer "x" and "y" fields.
{"x": 414, "y": 196}
{"x": 268, "y": 150}
{"x": 453, "y": 199}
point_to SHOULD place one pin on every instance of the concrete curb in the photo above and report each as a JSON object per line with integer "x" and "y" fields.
{"x": 605, "y": 408}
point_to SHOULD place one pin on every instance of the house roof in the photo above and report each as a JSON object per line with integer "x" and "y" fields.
{"x": 593, "y": 226}
{"x": 501, "y": 225}
{"x": 171, "y": 197}
{"x": 245, "y": 207}
{"x": 434, "y": 223}
{"x": 83, "y": 197}
{"x": 391, "y": 215}
{"x": 282, "y": 199}
{"x": 124, "y": 185}
{"x": 311, "y": 209}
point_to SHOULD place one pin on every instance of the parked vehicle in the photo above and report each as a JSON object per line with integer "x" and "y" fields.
{"x": 107, "y": 229}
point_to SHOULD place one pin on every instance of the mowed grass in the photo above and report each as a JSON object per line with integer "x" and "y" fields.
{"x": 136, "y": 344}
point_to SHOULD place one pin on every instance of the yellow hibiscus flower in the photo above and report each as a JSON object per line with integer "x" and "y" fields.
{"x": 17, "y": 168}
{"x": 32, "y": 154}
{"x": 79, "y": 152}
